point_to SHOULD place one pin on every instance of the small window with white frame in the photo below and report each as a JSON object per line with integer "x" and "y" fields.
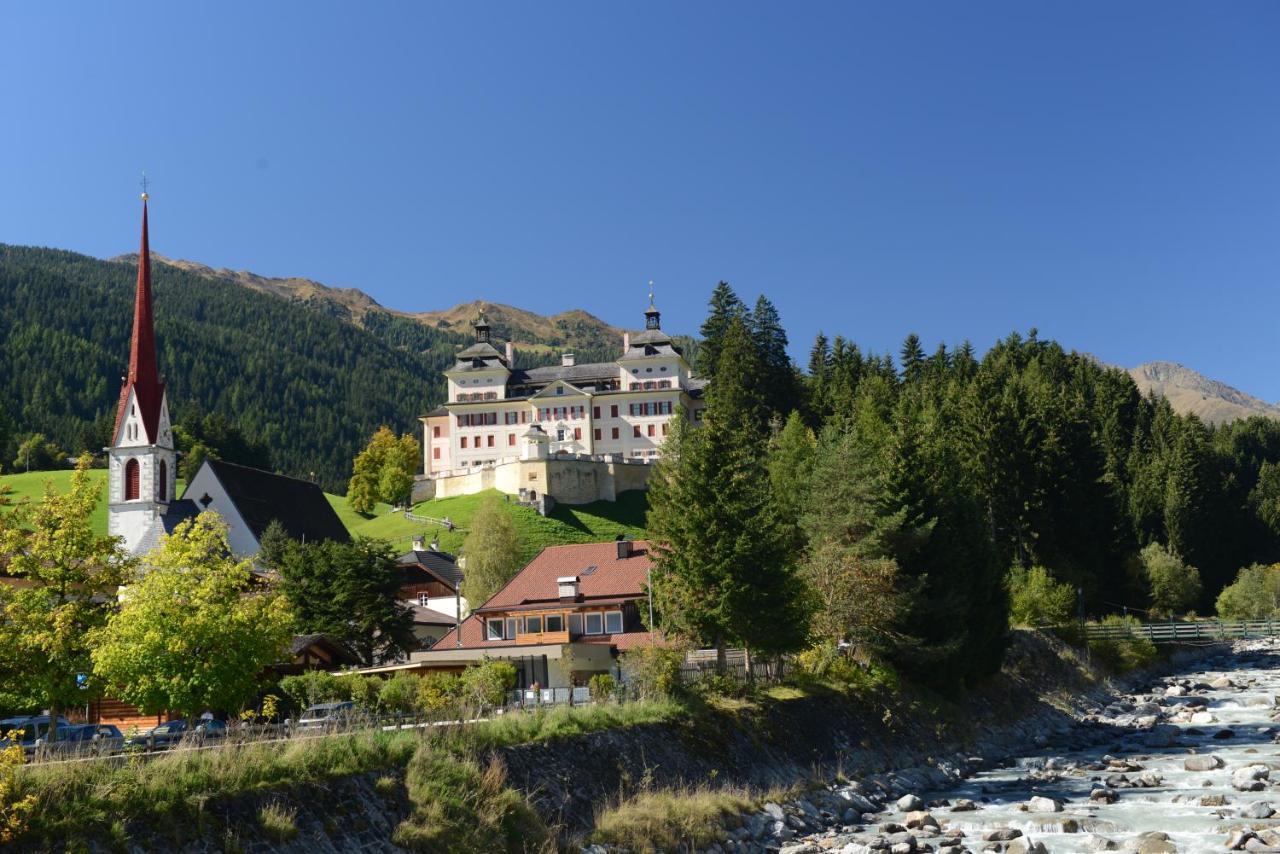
{"x": 424, "y": 599}
{"x": 593, "y": 623}
{"x": 493, "y": 629}
{"x": 555, "y": 623}
{"x": 533, "y": 625}
{"x": 613, "y": 622}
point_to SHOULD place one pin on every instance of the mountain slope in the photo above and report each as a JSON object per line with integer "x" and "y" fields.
{"x": 313, "y": 386}
{"x": 1191, "y": 392}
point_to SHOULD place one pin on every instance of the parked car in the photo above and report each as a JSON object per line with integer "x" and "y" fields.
{"x": 168, "y": 734}
{"x": 32, "y": 731}
{"x": 326, "y": 715}
{"x": 82, "y": 740}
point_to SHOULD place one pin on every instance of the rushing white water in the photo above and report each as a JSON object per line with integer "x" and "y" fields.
{"x": 1174, "y": 805}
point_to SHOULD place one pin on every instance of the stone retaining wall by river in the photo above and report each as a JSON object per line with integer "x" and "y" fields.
{"x": 1184, "y": 765}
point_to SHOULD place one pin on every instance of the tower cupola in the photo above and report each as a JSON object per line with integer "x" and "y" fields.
{"x": 652, "y": 317}
{"x": 481, "y": 327}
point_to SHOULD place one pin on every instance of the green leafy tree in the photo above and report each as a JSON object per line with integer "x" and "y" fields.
{"x": 493, "y": 552}
{"x": 383, "y": 471}
{"x": 68, "y": 578}
{"x": 487, "y": 683}
{"x": 1036, "y": 599}
{"x": 1175, "y": 585}
{"x": 723, "y": 572}
{"x": 348, "y": 591}
{"x": 1254, "y": 595}
{"x": 193, "y": 632}
{"x": 37, "y": 453}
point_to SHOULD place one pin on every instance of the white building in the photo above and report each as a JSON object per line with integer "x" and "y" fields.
{"x": 143, "y": 471}
{"x": 615, "y": 412}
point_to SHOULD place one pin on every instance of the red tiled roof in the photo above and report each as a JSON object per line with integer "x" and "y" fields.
{"x": 601, "y": 575}
{"x": 473, "y": 638}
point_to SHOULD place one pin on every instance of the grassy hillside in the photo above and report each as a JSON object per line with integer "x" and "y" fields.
{"x": 601, "y": 520}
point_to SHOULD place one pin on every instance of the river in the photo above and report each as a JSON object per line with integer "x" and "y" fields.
{"x": 1137, "y": 752}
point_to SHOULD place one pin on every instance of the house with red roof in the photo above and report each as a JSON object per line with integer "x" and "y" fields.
{"x": 562, "y": 619}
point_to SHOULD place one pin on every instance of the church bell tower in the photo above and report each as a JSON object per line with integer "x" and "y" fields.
{"x": 143, "y": 462}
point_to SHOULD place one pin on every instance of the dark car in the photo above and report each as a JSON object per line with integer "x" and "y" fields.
{"x": 82, "y": 740}
{"x": 170, "y": 733}
{"x": 31, "y": 731}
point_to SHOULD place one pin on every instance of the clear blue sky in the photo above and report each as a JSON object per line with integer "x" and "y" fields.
{"x": 1106, "y": 172}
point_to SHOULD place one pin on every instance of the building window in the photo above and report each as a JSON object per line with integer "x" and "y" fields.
{"x": 636, "y": 428}
{"x": 613, "y": 622}
{"x": 650, "y": 429}
{"x": 593, "y": 623}
{"x": 577, "y": 434}
{"x": 424, "y": 600}
{"x": 595, "y": 412}
{"x": 613, "y": 411}
{"x": 615, "y": 432}
{"x": 490, "y": 440}
{"x": 464, "y": 441}
{"x": 511, "y": 628}
{"x": 511, "y": 438}
{"x": 435, "y": 432}
{"x": 164, "y": 481}
{"x": 435, "y": 453}
{"x": 555, "y": 623}
{"x": 131, "y": 480}
{"x": 533, "y": 625}
{"x": 663, "y": 368}
{"x": 493, "y": 629}
{"x": 559, "y": 389}
{"x": 664, "y": 429}
{"x": 575, "y": 625}
{"x": 597, "y": 434}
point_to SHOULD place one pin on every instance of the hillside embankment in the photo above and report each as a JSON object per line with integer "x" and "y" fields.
{"x": 780, "y": 739}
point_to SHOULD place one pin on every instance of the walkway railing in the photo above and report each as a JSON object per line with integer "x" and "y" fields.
{"x": 1175, "y": 632}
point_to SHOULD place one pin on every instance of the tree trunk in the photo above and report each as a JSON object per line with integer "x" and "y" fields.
{"x": 721, "y": 658}
{"x": 746, "y": 657}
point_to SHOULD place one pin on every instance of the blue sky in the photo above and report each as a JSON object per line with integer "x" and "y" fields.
{"x": 1108, "y": 173}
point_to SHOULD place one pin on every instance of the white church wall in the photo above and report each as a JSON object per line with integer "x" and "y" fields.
{"x": 239, "y": 536}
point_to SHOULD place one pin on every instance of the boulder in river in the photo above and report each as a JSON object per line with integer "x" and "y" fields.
{"x": 1250, "y": 778}
{"x": 1207, "y": 762}
{"x": 1043, "y": 804}
{"x": 910, "y": 803}
{"x": 963, "y": 805}
{"x": 1094, "y": 842}
{"x": 1258, "y": 809}
{"x": 1001, "y": 834}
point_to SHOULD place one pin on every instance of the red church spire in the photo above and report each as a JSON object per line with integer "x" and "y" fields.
{"x": 144, "y": 374}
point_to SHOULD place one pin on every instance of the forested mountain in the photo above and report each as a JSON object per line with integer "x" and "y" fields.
{"x": 298, "y": 367}
{"x": 311, "y": 386}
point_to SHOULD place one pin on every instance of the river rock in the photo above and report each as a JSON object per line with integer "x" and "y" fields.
{"x": 1175, "y": 691}
{"x": 1104, "y": 796}
{"x": 1239, "y": 838}
{"x": 1201, "y": 718}
{"x": 963, "y": 805}
{"x": 1001, "y": 834}
{"x": 919, "y": 819}
{"x": 1213, "y": 801}
{"x": 773, "y": 811}
{"x": 1202, "y": 763}
{"x": 1094, "y": 842}
{"x": 1043, "y": 804}
{"x": 1023, "y": 845}
{"x": 1223, "y": 734}
{"x": 909, "y": 803}
{"x": 1250, "y": 778}
{"x": 1153, "y": 842}
{"x": 1258, "y": 809}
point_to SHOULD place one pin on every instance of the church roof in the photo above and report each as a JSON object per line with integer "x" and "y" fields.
{"x": 262, "y": 497}
{"x": 144, "y": 373}
{"x": 440, "y": 565}
{"x": 179, "y": 511}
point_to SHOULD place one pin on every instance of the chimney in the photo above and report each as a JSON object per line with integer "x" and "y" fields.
{"x": 418, "y": 543}
{"x": 624, "y": 549}
{"x": 511, "y": 353}
{"x": 568, "y": 587}
{"x": 626, "y": 341}
{"x": 566, "y": 360}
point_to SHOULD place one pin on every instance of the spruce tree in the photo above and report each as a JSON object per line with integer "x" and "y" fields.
{"x": 725, "y": 306}
{"x": 912, "y": 358}
{"x": 777, "y": 379}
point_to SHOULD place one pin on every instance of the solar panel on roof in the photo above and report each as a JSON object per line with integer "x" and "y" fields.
{"x": 588, "y": 570}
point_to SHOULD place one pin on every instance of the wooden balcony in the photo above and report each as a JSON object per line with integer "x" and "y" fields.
{"x": 543, "y": 637}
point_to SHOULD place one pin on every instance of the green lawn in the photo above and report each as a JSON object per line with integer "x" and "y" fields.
{"x": 601, "y": 520}
{"x": 587, "y": 523}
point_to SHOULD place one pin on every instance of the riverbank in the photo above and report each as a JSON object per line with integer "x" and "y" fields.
{"x": 521, "y": 787}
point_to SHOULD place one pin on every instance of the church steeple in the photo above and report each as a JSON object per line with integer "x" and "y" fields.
{"x": 652, "y": 317}
{"x": 143, "y": 378}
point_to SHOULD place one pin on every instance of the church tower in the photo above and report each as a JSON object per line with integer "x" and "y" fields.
{"x": 142, "y": 459}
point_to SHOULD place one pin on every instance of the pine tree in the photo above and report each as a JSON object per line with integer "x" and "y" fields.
{"x": 725, "y": 306}
{"x": 791, "y": 459}
{"x": 722, "y": 571}
{"x": 912, "y": 358}
{"x": 777, "y": 379}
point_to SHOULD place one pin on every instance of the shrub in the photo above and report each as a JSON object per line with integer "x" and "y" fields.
{"x": 314, "y": 686}
{"x": 438, "y": 691}
{"x": 1254, "y": 595}
{"x": 15, "y": 808}
{"x": 670, "y": 819}
{"x": 1175, "y": 586}
{"x": 603, "y": 686}
{"x": 1035, "y": 599}
{"x": 363, "y": 691}
{"x": 400, "y": 693}
{"x": 487, "y": 683}
{"x": 1124, "y": 653}
{"x": 652, "y": 672}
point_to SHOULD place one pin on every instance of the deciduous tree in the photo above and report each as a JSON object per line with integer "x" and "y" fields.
{"x": 492, "y": 550}
{"x": 384, "y": 470}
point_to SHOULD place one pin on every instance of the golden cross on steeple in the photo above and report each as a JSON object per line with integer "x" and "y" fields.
{"x": 145, "y": 185}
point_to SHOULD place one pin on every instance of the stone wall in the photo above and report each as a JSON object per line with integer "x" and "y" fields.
{"x": 569, "y": 481}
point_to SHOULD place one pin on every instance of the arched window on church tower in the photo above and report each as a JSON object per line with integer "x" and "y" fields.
{"x": 164, "y": 481}
{"x": 131, "y": 478}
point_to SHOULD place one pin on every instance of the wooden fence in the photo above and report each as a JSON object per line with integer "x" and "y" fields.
{"x": 1205, "y": 631}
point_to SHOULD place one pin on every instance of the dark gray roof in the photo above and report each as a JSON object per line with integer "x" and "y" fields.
{"x": 439, "y": 410}
{"x": 442, "y": 565}
{"x": 431, "y": 617}
{"x": 262, "y": 497}
{"x": 568, "y": 373}
{"x": 650, "y": 336}
{"x": 480, "y": 350}
{"x": 179, "y": 511}
{"x": 655, "y": 349}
